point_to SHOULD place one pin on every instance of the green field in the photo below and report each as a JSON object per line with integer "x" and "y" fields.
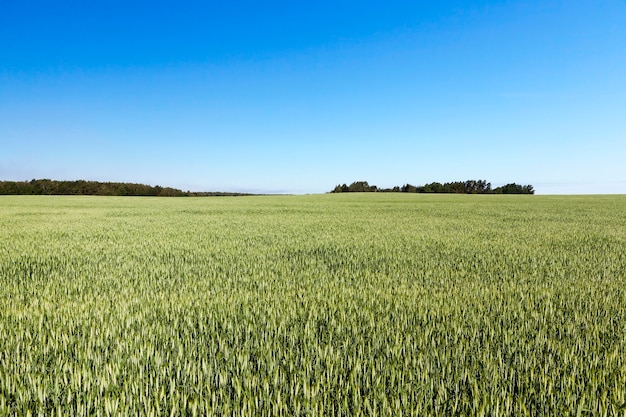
{"x": 349, "y": 304}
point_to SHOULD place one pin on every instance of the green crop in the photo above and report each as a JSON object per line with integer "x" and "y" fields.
{"x": 330, "y": 305}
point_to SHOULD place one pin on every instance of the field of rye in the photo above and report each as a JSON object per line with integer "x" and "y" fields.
{"x": 325, "y": 305}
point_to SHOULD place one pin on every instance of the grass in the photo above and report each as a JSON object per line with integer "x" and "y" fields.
{"x": 348, "y": 304}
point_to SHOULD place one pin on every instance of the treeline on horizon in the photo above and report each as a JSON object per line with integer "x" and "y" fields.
{"x": 456, "y": 187}
{"x": 82, "y": 187}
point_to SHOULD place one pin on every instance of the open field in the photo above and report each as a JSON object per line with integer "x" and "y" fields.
{"x": 348, "y": 304}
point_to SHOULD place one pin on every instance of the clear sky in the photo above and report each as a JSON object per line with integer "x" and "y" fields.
{"x": 297, "y": 97}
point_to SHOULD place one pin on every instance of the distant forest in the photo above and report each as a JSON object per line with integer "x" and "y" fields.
{"x": 80, "y": 187}
{"x": 457, "y": 187}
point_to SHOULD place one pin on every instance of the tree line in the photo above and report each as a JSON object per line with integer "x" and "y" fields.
{"x": 456, "y": 187}
{"x": 82, "y": 187}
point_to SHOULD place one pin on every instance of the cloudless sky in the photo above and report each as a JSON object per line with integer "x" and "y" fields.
{"x": 297, "y": 97}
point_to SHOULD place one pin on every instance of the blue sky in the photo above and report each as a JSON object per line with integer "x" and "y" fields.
{"x": 297, "y": 97}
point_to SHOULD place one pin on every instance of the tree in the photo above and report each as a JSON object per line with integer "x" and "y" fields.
{"x": 361, "y": 187}
{"x": 456, "y": 187}
{"x": 514, "y": 188}
{"x": 434, "y": 187}
{"x": 340, "y": 188}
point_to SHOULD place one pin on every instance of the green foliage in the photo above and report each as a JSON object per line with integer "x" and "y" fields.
{"x": 456, "y": 187}
{"x": 352, "y": 304}
{"x": 81, "y": 187}
{"x": 514, "y": 189}
{"x": 355, "y": 187}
